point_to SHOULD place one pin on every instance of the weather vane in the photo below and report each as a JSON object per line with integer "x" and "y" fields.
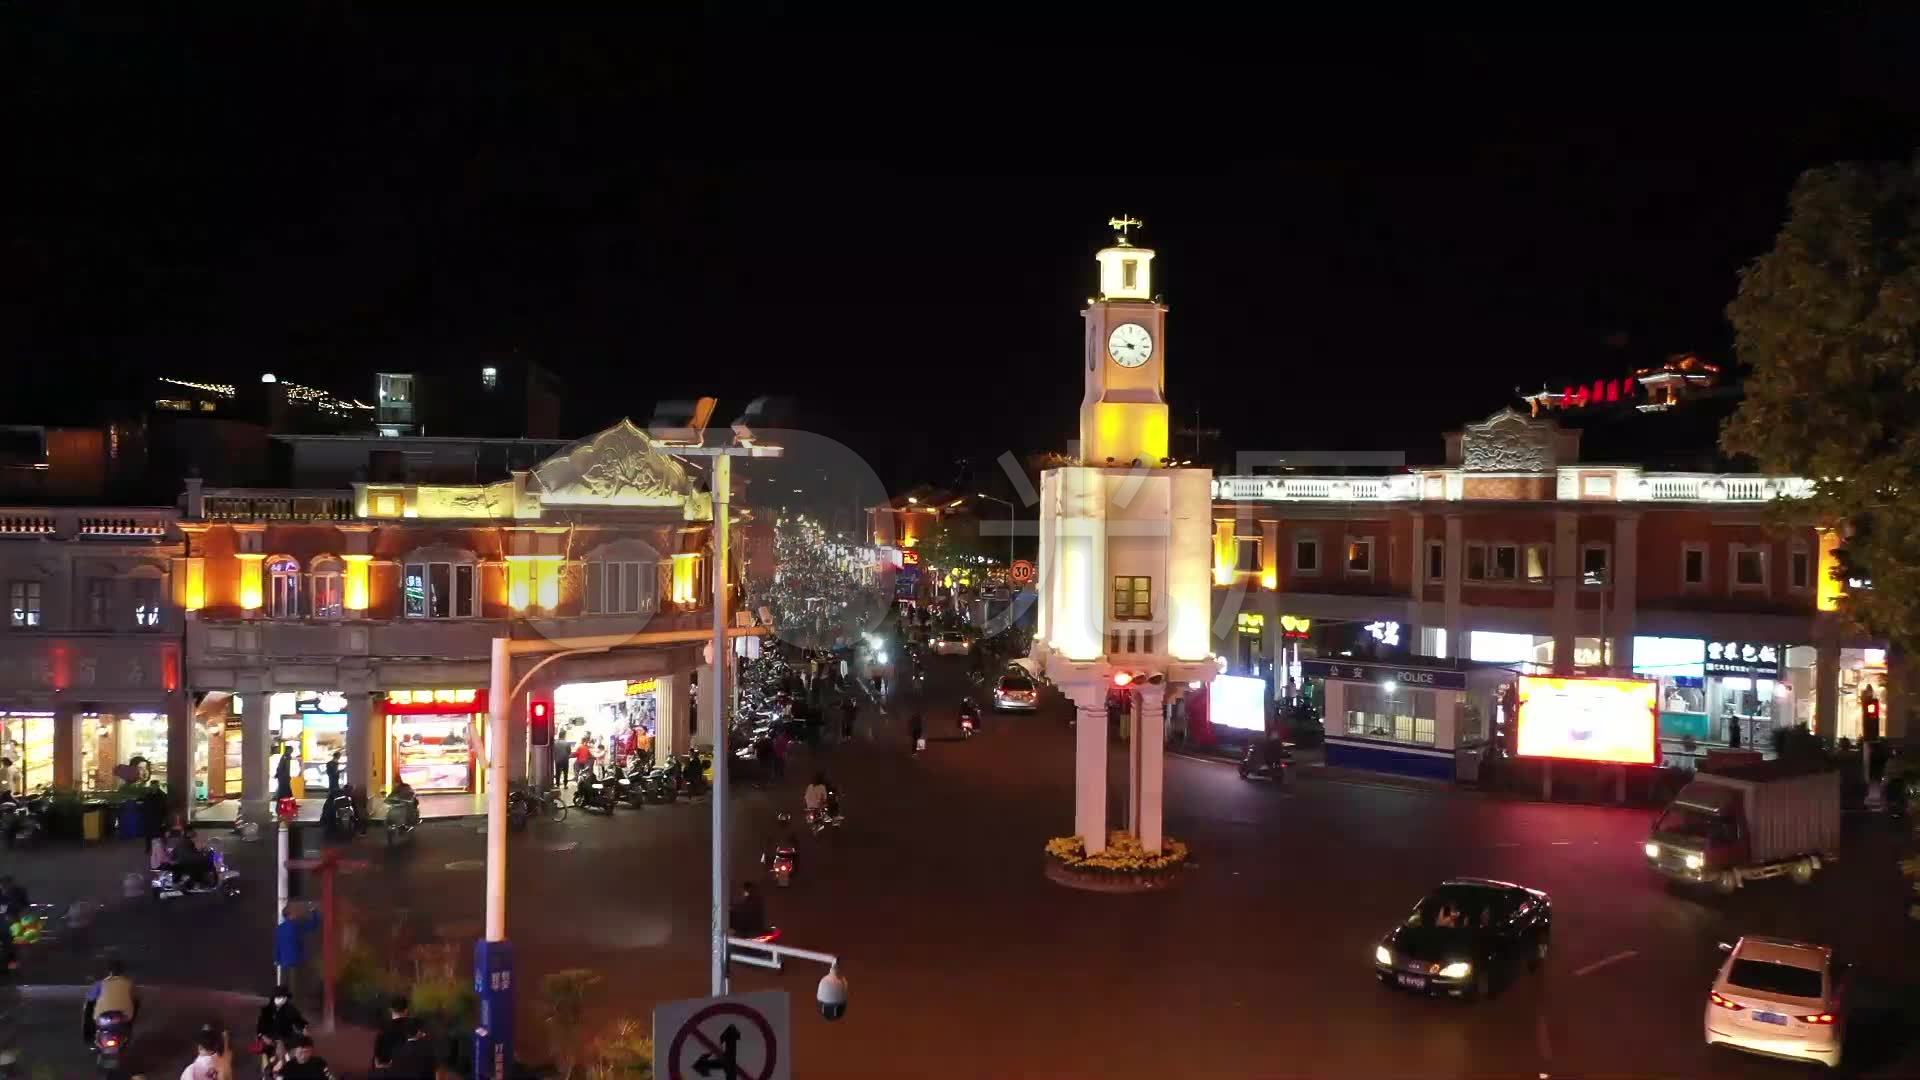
{"x": 1121, "y": 224}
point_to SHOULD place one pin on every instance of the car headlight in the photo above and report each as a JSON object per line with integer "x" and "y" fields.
{"x": 1456, "y": 970}
{"x": 1653, "y": 850}
{"x": 1695, "y": 862}
{"x": 1382, "y": 955}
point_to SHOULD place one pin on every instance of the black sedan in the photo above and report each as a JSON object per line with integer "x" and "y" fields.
{"x": 1467, "y": 937}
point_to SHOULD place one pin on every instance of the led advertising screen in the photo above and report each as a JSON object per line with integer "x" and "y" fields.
{"x": 1589, "y": 719}
{"x": 1235, "y": 701}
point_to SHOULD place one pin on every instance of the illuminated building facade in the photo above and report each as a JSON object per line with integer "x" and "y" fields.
{"x": 1124, "y": 552}
{"x": 1517, "y": 552}
{"x": 356, "y": 615}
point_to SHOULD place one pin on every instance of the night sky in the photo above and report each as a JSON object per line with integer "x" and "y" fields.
{"x": 1362, "y": 244}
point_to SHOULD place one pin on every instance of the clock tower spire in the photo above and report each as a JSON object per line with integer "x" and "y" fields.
{"x": 1123, "y": 416}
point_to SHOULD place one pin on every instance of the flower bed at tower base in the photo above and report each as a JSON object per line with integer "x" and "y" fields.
{"x": 1124, "y": 867}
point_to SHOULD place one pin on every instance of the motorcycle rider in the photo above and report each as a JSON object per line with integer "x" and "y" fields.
{"x": 970, "y": 711}
{"x": 816, "y": 794}
{"x": 114, "y": 993}
{"x": 192, "y": 867}
{"x": 404, "y": 799}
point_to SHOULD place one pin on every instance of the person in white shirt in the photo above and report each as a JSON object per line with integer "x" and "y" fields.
{"x": 6, "y": 777}
{"x": 213, "y": 1062}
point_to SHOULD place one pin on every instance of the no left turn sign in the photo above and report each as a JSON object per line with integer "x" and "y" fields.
{"x": 737, "y": 1037}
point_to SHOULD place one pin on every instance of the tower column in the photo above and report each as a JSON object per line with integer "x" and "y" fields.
{"x": 1150, "y": 759}
{"x": 1090, "y": 765}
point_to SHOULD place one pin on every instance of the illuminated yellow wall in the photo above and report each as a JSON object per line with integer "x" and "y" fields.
{"x": 1829, "y": 586}
{"x": 533, "y": 580}
{"x": 1123, "y": 431}
{"x": 1223, "y": 552}
{"x": 251, "y": 594}
{"x": 192, "y": 595}
{"x": 686, "y": 576}
{"x": 1270, "y": 555}
{"x": 355, "y": 584}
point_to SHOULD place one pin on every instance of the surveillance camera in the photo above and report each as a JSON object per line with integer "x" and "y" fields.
{"x": 832, "y": 995}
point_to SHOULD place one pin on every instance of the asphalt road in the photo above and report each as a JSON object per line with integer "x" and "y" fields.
{"x": 963, "y": 961}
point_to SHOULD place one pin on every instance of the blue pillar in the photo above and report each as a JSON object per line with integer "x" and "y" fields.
{"x": 493, "y": 1036}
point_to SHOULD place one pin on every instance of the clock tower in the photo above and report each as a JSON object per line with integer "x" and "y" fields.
{"x": 1123, "y": 416}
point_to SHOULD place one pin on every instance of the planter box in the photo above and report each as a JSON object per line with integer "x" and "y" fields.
{"x": 1109, "y": 881}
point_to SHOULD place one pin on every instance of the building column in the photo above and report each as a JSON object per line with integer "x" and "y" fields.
{"x": 516, "y": 734}
{"x": 1455, "y": 558}
{"x": 1623, "y": 590}
{"x": 180, "y": 740}
{"x": 360, "y": 742}
{"x": 256, "y": 767}
{"x": 1900, "y": 683}
{"x": 1090, "y": 765}
{"x": 1566, "y": 589}
{"x": 671, "y": 703}
{"x": 1826, "y": 678}
{"x": 66, "y": 744}
{"x": 1150, "y": 755}
{"x": 703, "y": 738}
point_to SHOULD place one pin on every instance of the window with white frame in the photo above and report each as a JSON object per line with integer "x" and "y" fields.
{"x": 622, "y": 587}
{"x": 1799, "y": 568}
{"x": 1505, "y": 564}
{"x": 146, "y": 601}
{"x": 1749, "y": 565}
{"x": 1596, "y": 564}
{"x": 283, "y": 587}
{"x": 1476, "y": 562}
{"x": 1360, "y": 555}
{"x": 1537, "y": 561}
{"x": 329, "y": 588}
{"x": 1436, "y": 561}
{"x": 439, "y": 584}
{"x": 99, "y": 601}
{"x": 23, "y": 604}
{"x": 1693, "y": 565}
{"x": 1306, "y": 555}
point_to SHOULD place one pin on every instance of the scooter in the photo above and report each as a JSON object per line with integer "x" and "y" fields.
{"x": 1266, "y": 763}
{"x": 966, "y": 727}
{"x": 403, "y": 816}
{"x": 110, "y": 1041}
{"x": 163, "y": 884}
{"x": 340, "y": 817}
{"x": 780, "y": 865}
{"x": 594, "y": 794}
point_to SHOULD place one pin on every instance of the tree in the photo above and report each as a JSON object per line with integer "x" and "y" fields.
{"x": 1829, "y": 322}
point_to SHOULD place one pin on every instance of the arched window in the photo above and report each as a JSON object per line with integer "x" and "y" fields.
{"x": 283, "y": 591}
{"x": 328, "y": 578}
{"x": 440, "y": 582}
{"x": 623, "y": 578}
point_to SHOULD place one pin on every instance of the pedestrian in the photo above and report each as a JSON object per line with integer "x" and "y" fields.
{"x": 562, "y": 757}
{"x": 849, "y": 711}
{"x": 283, "y": 773}
{"x": 414, "y": 1058}
{"x": 397, "y": 1029}
{"x": 280, "y": 1024}
{"x": 781, "y": 742}
{"x": 289, "y": 941}
{"x": 583, "y": 756}
{"x": 6, "y": 778}
{"x": 333, "y": 776}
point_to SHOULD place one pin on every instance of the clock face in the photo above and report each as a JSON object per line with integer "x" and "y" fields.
{"x": 1130, "y": 345}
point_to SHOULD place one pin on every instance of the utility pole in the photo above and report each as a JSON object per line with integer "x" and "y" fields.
{"x": 1201, "y": 435}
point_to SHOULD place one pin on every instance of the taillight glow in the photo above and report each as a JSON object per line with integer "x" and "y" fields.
{"x": 1819, "y": 1018}
{"x": 1723, "y": 1002}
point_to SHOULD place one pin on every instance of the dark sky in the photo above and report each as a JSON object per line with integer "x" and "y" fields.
{"x": 1362, "y": 244}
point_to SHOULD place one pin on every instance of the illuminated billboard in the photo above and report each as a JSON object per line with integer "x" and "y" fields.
{"x": 1589, "y": 719}
{"x": 1235, "y": 701}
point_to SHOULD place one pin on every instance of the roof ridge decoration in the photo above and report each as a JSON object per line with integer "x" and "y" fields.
{"x": 620, "y": 466}
{"x": 1508, "y": 441}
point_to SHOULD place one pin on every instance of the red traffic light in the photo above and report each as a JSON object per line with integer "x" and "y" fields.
{"x": 540, "y": 722}
{"x": 1122, "y": 678}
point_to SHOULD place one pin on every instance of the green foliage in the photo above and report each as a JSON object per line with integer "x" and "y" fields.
{"x": 563, "y": 997}
{"x": 365, "y": 980}
{"x": 447, "y": 1003}
{"x": 1829, "y": 322}
{"x": 627, "y": 1054}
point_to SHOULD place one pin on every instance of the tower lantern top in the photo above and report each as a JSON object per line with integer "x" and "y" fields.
{"x": 1125, "y": 271}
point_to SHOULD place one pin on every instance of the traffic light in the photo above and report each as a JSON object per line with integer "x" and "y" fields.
{"x": 1870, "y": 718}
{"x": 540, "y": 721}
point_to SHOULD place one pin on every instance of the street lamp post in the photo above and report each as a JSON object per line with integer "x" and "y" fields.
{"x": 1010, "y": 526}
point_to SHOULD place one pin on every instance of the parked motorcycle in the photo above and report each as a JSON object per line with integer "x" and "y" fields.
{"x": 23, "y": 822}
{"x": 1266, "y": 761}
{"x": 340, "y": 817}
{"x": 403, "y": 816}
{"x": 596, "y": 794}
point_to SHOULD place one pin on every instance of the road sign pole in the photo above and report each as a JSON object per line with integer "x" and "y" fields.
{"x": 493, "y": 955}
{"x": 721, "y": 721}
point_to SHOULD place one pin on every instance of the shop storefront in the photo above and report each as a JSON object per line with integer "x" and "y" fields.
{"x": 434, "y": 739}
{"x": 113, "y": 744}
{"x": 314, "y": 724}
{"x": 621, "y": 715}
{"x": 27, "y": 738}
{"x": 1403, "y": 718}
{"x": 217, "y": 755}
{"x": 1724, "y": 693}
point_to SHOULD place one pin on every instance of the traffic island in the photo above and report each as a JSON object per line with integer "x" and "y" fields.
{"x": 1124, "y": 867}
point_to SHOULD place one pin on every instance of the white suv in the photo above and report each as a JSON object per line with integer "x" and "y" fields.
{"x": 1779, "y": 998}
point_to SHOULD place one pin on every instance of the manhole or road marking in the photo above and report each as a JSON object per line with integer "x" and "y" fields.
{"x": 567, "y": 846}
{"x": 467, "y": 864}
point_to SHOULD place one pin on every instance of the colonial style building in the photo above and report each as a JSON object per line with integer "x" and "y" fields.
{"x": 356, "y": 616}
{"x": 1518, "y": 552}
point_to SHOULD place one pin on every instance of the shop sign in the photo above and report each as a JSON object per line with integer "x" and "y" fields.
{"x": 636, "y": 687}
{"x": 909, "y": 557}
{"x": 1386, "y": 633}
{"x": 1295, "y": 627}
{"x": 1744, "y": 658}
{"x": 324, "y": 701}
{"x": 1251, "y": 623}
{"x": 1354, "y": 671}
{"x": 435, "y": 702}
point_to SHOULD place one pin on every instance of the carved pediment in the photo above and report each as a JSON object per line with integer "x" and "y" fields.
{"x": 1508, "y": 441}
{"x": 618, "y": 467}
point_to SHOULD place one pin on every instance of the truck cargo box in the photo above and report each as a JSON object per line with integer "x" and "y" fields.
{"x": 1792, "y": 808}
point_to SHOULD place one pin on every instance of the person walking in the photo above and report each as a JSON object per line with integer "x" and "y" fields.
{"x": 333, "y": 776}
{"x": 849, "y": 712}
{"x": 283, "y": 773}
{"x": 290, "y": 943}
{"x": 562, "y": 757}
